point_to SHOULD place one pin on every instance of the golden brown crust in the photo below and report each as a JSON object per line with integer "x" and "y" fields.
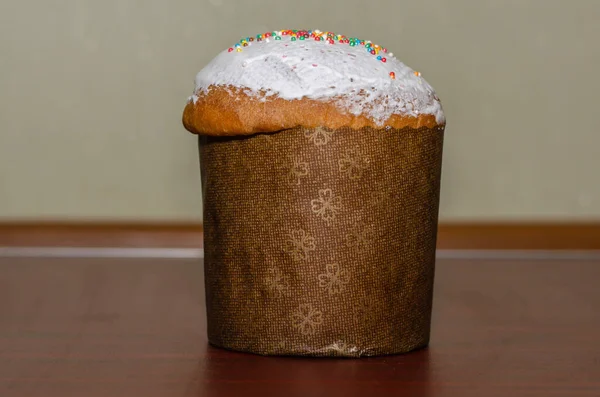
{"x": 227, "y": 112}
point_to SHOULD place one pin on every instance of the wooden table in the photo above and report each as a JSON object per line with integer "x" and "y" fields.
{"x": 135, "y": 327}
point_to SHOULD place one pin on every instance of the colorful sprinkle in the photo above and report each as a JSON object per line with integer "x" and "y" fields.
{"x": 393, "y": 75}
{"x": 418, "y": 74}
{"x": 328, "y": 37}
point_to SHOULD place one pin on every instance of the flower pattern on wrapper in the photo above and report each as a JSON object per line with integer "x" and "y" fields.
{"x": 359, "y": 237}
{"x": 334, "y": 279}
{"x": 327, "y": 205}
{"x": 364, "y": 312}
{"x": 306, "y": 319}
{"x": 296, "y": 171}
{"x": 353, "y": 164}
{"x": 319, "y": 136}
{"x": 299, "y": 244}
{"x": 277, "y": 283}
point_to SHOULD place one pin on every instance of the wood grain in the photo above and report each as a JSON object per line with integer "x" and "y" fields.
{"x": 520, "y": 236}
{"x": 131, "y": 327}
{"x": 491, "y": 236}
{"x": 114, "y": 235}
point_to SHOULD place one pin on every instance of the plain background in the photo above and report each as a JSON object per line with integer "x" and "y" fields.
{"x": 91, "y": 95}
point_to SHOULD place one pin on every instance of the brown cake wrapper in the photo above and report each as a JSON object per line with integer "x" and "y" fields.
{"x": 321, "y": 242}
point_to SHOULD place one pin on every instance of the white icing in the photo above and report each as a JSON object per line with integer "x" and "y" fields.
{"x": 323, "y": 71}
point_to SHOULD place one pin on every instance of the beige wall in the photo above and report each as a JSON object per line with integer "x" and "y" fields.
{"x": 91, "y": 94}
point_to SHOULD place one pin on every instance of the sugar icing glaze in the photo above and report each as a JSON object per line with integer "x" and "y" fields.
{"x": 361, "y": 77}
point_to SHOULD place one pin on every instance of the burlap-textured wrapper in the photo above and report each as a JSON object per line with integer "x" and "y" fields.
{"x": 321, "y": 242}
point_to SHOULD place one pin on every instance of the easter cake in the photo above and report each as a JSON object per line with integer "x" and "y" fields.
{"x": 320, "y": 162}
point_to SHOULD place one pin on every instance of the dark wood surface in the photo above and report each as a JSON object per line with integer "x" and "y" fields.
{"x": 132, "y": 327}
{"x": 121, "y": 235}
{"x": 520, "y": 236}
{"x": 490, "y": 236}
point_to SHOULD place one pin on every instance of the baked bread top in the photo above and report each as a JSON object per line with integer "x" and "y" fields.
{"x": 290, "y": 78}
